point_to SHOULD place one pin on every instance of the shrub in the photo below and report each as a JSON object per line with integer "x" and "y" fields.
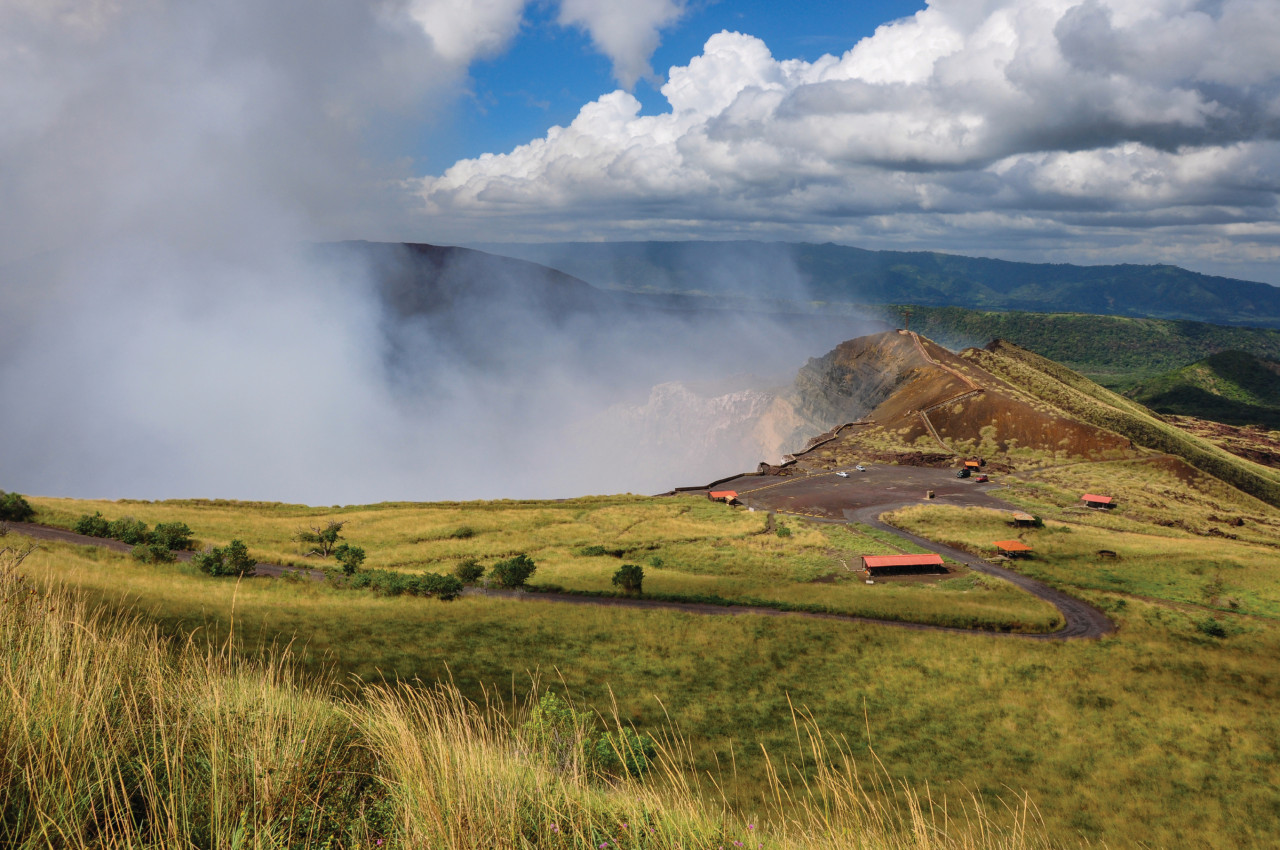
{"x": 233, "y": 560}
{"x": 656, "y": 562}
{"x": 390, "y": 583}
{"x": 514, "y": 572}
{"x": 469, "y": 571}
{"x": 464, "y": 532}
{"x": 598, "y": 551}
{"x": 351, "y": 557}
{"x": 1211, "y": 627}
{"x": 562, "y": 735}
{"x": 129, "y": 530}
{"x": 175, "y": 536}
{"x": 14, "y": 508}
{"x": 783, "y": 531}
{"x": 93, "y": 526}
{"x": 625, "y": 752}
{"x": 629, "y": 577}
{"x": 152, "y": 553}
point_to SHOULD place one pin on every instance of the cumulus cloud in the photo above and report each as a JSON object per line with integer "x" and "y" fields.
{"x": 1039, "y": 116}
{"x": 627, "y": 33}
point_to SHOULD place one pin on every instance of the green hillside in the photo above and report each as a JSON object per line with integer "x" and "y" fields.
{"x": 1086, "y": 400}
{"x": 1115, "y": 351}
{"x": 1235, "y": 387}
{"x": 844, "y": 274}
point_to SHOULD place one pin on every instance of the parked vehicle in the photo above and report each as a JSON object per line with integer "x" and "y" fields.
{"x": 964, "y": 473}
{"x": 843, "y": 474}
{"x": 860, "y": 468}
{"x": 982, "y": 479}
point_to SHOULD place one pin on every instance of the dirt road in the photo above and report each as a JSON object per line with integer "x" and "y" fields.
{"x": 1081, "y": 620}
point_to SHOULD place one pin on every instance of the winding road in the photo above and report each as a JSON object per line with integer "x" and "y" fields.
{"x": 1080, "y": 619}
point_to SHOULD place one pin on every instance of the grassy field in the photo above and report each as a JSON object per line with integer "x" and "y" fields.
{"x": 1162, "y": 735}
{"x": 688, "y": 546}
{"x": 113, "y": 737}
{"x": 1174, "y": 533}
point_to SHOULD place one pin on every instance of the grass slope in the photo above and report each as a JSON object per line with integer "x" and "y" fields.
{"x": 689, "y": 547}
{"x": 113, "y": 737}
{"x": 1085, "y": 400}
{"x": 1233, "y": 387}
{"x": 1115, "y": 351}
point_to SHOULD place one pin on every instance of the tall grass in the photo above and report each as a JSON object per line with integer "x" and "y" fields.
{"x": 113, "y": 737}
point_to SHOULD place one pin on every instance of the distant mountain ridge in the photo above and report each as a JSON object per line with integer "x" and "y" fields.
{"x": 844, "y": 274}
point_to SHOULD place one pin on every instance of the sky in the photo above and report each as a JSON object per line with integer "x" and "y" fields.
{"x": 1084, "y": 131}
{"x": 164, "y": 331}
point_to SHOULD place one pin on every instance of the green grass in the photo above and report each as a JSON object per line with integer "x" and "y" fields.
{"x": 114, "y": 738}
{"x": 1161, "y": 735}
{"x": 1098, "y": 406}
{"x": 704, "y": 548}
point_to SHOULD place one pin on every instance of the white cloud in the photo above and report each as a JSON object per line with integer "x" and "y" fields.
{"x": 461, "y": 30}
{"x": 1054, "y": 111}
{"x": 627, "y": 33}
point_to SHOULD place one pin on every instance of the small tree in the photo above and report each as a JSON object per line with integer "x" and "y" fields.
{"x": 514, "y": 572}
{"x": 321, "y": 540}
{"x": 351, "y": 557}
{"x": 629, "y": 577}
{"x": 233, "y": 560}
{"x": 14, "y": 508}
{"x": 469, "y": 571}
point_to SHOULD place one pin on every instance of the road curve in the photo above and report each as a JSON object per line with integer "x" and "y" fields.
{"x": 1081, "y": 620}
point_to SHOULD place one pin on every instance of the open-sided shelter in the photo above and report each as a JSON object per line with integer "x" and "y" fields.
{"x": 903, "y": 565}
{"x": 1012, "y": 548}
{"x": 1094, "y": 501}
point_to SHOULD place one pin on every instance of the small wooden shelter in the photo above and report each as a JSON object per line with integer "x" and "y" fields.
{"x": 973, "y": 464}
{"x": 1012, "y": 548}
{"x": 1094, "y": 501}
{"x": 903, "y": 565}
{"x": 1022, "y": 520}
{"x": 729, "y": 497}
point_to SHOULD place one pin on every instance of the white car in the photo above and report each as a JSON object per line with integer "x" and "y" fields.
{"x": 860, "y": 468}
{"x": 843, "y": 474}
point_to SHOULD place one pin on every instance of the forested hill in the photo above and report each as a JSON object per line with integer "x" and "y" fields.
{"x": 842, "y": 274}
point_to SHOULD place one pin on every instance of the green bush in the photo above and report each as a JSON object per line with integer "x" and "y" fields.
{"x": 514, "y": 572}
{"x": 783, "y": 531}
{"x": 464, "y": 532}
{"x": 629, "y": 577}
{"x": 560, "y": 734}
{"x": 469, "y": 571}
{"x": 129, "y": 530}
{"x": 598, "y": 551}
{"x": 14, "y": 508}
{"x": 152, "y": 553}
{"x": 233, "y": 560}
{"x": 175, "y": 536}
{"x": 625, "y": 752}
{"x": 351, "y": 557}
{"x": 389, "y": 583}
{"x": 92, "y": 526}
{"x": 1211, "y": 627}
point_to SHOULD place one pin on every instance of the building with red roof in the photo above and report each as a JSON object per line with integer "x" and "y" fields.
{"x": 903, "y": 565}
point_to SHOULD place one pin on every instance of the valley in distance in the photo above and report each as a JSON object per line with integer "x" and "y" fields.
{"x": 1000, "y": 580}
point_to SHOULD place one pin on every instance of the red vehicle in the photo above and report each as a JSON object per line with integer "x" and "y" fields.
{"x": 982, "y": 479}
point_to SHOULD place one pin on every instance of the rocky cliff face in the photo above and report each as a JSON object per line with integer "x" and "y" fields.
{"x": 850, "y": 381}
